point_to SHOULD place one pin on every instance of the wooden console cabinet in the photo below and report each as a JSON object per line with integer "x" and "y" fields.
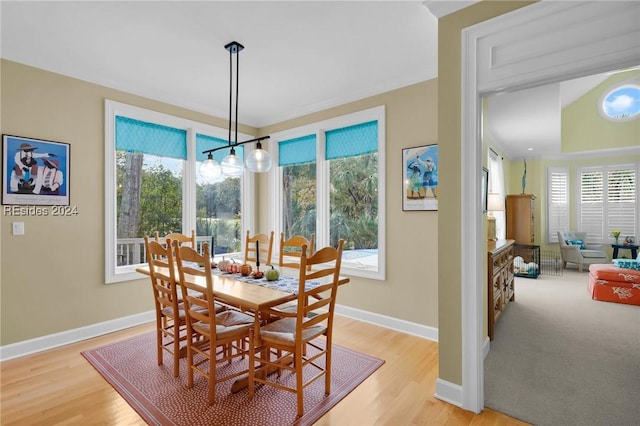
{"x": 520, "y": 218}
{"x": 500, "y": 280}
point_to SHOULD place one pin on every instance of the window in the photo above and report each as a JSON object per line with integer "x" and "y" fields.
{"x": 151, "y": 184}
{"x": 327, "y": 182}
{"x": 608, "y": 200}
{"x": 621, "y": 103}
{"x": 496, "y": 185}
{"x": 557, "y": 202}
{"x": 297, "y": 159}
{"x": 218, "y": 202}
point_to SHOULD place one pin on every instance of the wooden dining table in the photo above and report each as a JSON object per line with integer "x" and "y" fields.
{"x": 247, "y": 294}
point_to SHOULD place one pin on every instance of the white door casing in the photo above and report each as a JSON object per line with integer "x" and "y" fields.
{"x": 539, "y": 44}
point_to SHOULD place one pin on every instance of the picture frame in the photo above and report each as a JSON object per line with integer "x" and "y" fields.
{"x": 485, "y": 189}
{"x": 420, "y": 178}
{"x": 35, "y": 172}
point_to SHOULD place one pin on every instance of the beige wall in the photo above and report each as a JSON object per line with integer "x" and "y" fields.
{"x": 410, "y": 290}
{"x": 450, "y": 224}
{"x": 584, "y": 128}
{"x": 53, "y": 277}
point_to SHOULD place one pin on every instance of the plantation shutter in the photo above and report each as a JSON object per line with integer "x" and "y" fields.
{"x": 609, "y": 200}
{"x": 592, "y": 203}
{"x": 621, "y": 201}
{"x": 557, "y": 202}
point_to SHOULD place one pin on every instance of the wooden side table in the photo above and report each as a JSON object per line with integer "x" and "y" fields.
{"x": 631, "y": 247}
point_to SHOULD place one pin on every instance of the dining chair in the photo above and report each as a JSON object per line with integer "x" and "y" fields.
{"x": 170, "y": 318}
{"x": 265, "y": 248}
{"x": 291, "y": 250}
{"x": 289, "y": 257}
{"x": 182, "y": 239}
{"x": 226, "y": 333}
{"x": 293, "y": 336}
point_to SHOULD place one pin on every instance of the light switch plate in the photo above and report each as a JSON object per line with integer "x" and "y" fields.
{"x": 18, "y": 228}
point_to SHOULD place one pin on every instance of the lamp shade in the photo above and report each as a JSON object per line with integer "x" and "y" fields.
{"x": 495, "y": 203}
{"x": 210, "y": 168}
{"x": 232, "y": 165}
{"x": 258, "y": 160}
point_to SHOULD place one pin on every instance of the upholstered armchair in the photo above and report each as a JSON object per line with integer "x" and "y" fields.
{"x": 574, "y": 249}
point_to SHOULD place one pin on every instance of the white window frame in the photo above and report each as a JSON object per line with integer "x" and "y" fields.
{"x": 113, "y": 272}
{"x": 322, "y": 175}
{"x": 560, "y": 225}
{"x": 496, "y": 185}
{"x": 604, "y": 238}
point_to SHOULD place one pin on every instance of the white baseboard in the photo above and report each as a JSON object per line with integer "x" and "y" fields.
{"x": 449, "y": 392}
{"x": 51, "y": 341}
{"x": 403, "y": 326}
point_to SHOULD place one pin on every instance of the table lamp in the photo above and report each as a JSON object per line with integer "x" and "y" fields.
{"x": 495, "y": 203}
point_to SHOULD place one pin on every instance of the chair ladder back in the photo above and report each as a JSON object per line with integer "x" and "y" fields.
{"x": 291, "y": 250}
{"x": 196, "y": 283}
{"x": 265, "y": 243}
{"x": 162, "y": 272}
{"x": 327, "y": 261}
{"x": 181, "y": 239}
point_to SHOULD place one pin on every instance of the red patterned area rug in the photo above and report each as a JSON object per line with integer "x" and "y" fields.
{"x": 130, "y": 366}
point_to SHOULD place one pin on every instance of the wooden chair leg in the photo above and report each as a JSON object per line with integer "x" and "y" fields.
{"x": 176, "y": 349}
{"x": 299, "y": 381}
{"x": 159, "y": 342}
{"x": 252, "y": 366}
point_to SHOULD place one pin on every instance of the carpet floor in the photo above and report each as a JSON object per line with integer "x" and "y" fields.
{"x": 130, "y": 367}
{"x": 561, "y": 358}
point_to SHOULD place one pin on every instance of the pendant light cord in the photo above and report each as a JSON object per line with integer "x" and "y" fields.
{"x": 230, "y": 90}
{"x": 237, "y": 90}
{"x": 232, "y": 50}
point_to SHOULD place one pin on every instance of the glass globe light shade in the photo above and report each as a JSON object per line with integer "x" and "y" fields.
{"x": 210, "y": 168}
{"x": 259, "y": 160}
{"x": 232, "y": 165}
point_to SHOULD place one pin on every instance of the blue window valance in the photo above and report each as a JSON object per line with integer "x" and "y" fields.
{"x": 150, "y": 138}
{"x": 297, "y": 151}
{"x": 206, "y": 142}
{"x": 352, "y": 140}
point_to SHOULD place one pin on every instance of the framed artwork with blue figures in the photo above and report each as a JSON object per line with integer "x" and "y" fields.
{"x": 34, "y": 171}
{"x": 420, "y": 178}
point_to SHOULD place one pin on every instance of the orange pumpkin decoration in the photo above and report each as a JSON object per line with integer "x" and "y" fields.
{"x": 245, "y": 270}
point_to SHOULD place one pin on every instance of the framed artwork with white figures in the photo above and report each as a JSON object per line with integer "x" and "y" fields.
{"x": 34, "y": 172}
{"x": 420, "y": 178}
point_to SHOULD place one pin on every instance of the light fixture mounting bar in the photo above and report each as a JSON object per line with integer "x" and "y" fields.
{"x": 236, "y": 144}
{"x": 234, "y": 47}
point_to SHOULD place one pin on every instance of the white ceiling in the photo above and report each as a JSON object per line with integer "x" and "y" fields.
{"x": 299, "y": 57}
{"x": 527, "y": 123}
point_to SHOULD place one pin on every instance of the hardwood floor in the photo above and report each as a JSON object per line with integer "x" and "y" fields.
{"x": 59, "y": 387}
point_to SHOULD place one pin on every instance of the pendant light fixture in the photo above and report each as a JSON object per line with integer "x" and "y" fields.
{"x": 258, "y": 160}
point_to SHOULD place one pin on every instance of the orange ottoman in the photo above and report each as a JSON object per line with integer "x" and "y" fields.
{"x": 609, "y": 283}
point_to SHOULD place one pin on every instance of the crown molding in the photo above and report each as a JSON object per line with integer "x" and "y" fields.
{"x": 440, "y": 8}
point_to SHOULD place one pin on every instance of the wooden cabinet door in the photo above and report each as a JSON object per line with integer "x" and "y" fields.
{"x": 520, "y": 218}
